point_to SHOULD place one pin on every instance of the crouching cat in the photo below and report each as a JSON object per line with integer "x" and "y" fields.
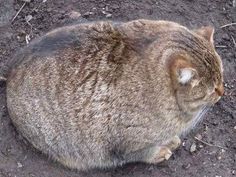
{"x": 103, "y": 94}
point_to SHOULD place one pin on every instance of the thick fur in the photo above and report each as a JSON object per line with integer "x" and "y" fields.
{"x": 104, "y": 94}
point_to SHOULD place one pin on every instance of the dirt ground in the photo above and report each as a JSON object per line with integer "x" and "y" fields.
{"x": 213, "y": 152}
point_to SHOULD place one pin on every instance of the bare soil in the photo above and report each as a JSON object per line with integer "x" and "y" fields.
{"x": 215, "y": 156}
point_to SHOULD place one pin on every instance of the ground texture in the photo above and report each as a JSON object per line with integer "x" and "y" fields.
{"x": 215, "y": 156}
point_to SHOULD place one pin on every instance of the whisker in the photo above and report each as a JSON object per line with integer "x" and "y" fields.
{"x": 200, "y": 114}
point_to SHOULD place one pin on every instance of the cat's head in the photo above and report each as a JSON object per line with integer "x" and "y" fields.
{"x": 197, "y": 74}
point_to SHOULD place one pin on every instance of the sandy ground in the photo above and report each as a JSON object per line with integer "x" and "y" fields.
{"x": 215, "y": 156}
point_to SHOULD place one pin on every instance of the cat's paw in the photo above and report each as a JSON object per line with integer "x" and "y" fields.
{"x": 161, "y": 154}
{"x": 164, "y": 152}
{"x": 174, "y": 143}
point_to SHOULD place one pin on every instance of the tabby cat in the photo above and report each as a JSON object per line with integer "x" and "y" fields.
{"x": 102, "y": 94}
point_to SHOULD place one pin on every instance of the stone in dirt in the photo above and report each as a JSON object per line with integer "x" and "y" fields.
{"x": 193, "y": 148}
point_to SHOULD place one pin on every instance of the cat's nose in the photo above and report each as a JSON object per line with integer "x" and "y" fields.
{"x": 220, "y": 90}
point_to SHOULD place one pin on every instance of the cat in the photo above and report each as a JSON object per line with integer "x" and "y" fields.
{"x": 103, "y": 94}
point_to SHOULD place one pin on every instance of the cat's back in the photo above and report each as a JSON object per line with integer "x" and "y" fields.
{"x": 89, "y": 38}
{"x": 82, "y": 51}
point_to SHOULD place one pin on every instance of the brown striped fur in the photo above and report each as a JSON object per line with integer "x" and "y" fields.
{"x": 103, "y": 94}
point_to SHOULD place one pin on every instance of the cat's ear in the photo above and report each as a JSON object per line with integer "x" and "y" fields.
{"x": 187, "y": 75}
{"x": 206, "y": 32}
{"x": 182, "y": 72}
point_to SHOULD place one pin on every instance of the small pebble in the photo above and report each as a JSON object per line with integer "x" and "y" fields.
{"x": 109, "y": 15}
{"x": 74, "y": 14}
{"x": 201, "y": 146}
{"x": 219, "y": 157}
{"x": 19, "y": 165}
{"x": 198, "y": 136}
{"x": 186, "y": 166}
{"x": 106, "y": 8}
{"x": 86, "y": 14}
{"x": 28, "y": 18}
{"x": 32, "y": 175}
{"x": 235, "y": 127}
{"x": 206, "y": 127}
{"x": 193, "y": 147}
{"x": 225, "y": 37}
{"x": 26, "y": 0}
{"x": 27, "y": 39}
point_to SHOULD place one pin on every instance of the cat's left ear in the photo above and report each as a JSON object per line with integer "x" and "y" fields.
{"x": 182, "y": 72}
{"x": 206, "y": 32}
{"x": 186, "y": 75}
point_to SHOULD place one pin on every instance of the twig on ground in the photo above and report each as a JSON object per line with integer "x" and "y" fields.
{"x": 18, "y": 11}
{"x": 208, "y": 144}
{"x": 27, "y": 19}
{"x": 230, "y": 24}
{"x": 233, "y": 41}
{"x": 27, "y": 39}
{"x": 221, "y": 46}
